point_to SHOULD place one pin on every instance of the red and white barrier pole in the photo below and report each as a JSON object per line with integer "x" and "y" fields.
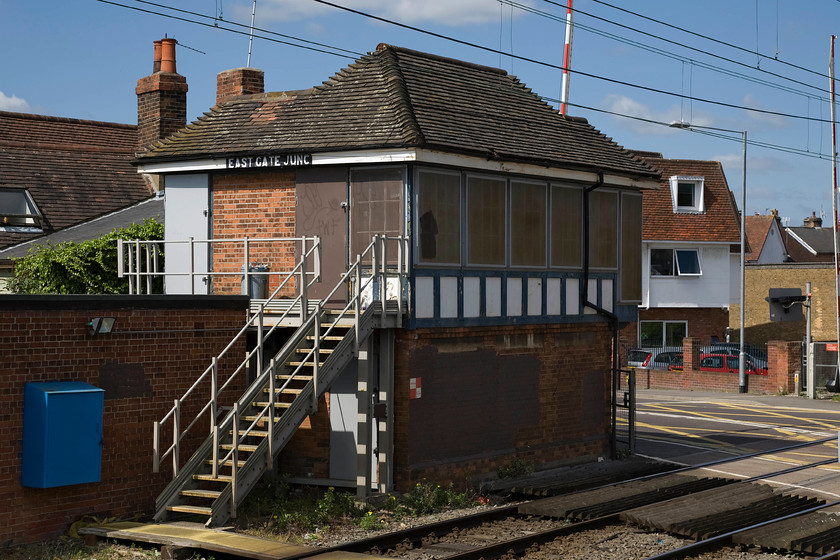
{"x": 567, "y": 60}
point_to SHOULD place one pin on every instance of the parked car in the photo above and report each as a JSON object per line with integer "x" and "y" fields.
{"x": 727, "y": 363}
{"x": 754, "y": 354}
{"x": 666, "y": 360}
{"x": 638, "y": 358}
{"x": 676, "y": 363}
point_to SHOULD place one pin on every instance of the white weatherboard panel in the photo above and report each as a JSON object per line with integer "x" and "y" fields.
{"x": 554, "y": 296}
{"x": 187, "y": 208}
{"x": 472, "y": 297}
{"x": 572, "y": 296}
{"x": 424, "y": 297}
{"x": 592, "y": 295}
{"x": 493, "y": 303}
{"x": 514, "y": 297}
{"x": 448, "y": 296}
{"x": 607, "y": 294}
{"x": 534, "y": 296}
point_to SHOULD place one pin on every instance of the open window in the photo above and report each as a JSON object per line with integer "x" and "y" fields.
{"x": 687, "y": 194}
{"x": 675, "y": 262}
{"x": 18, "y": 211}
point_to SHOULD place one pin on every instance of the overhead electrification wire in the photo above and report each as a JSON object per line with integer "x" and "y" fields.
{"x": 246, "y": 33}
{"x": 708, "y": 38}
{"x": 669, "y": 54}
{"x": 683, "y": 45}
{"x": 578, "y": 72}
{"x": 767, "y": 145}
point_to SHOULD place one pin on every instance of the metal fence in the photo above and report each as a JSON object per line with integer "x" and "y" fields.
{"x": 671, "y": 357}
{"x": 624, "y": 413}
{"x": 825, "y": 364}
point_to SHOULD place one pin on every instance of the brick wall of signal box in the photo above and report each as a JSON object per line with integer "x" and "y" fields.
{"x": 489, "y": 396}
{"x": 159, "y": 346}
{"x": 256, "y": 204}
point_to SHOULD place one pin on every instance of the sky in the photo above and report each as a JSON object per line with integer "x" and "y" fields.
{"x": 759, "y": 67}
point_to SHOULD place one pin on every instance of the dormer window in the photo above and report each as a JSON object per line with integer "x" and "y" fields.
{"x": 18, "y": 212}
{"x": 687, "y": 194}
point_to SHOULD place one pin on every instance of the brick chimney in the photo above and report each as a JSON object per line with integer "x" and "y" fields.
{"x": 239, "y": 81}
{"x": 813, "y": 221}
{"x": 161, "y": 97}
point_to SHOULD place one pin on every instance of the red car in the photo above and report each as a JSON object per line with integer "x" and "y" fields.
{"x": 728, "y": 364}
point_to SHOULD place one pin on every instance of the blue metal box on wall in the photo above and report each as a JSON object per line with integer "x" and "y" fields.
{"x": 62, "y": 433}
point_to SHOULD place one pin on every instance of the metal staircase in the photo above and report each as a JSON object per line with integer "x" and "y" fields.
{"x": 246, "y": 438}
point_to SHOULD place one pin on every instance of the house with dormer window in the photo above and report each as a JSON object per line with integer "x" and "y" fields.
{"x": 56, "y": 173}
{"x": 690, "y": 254}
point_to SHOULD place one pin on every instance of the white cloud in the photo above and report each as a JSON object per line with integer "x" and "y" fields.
{"x": 446, "y": 12}
{"x": 13, "y": 103}
{"x": 624, "y": 105}
{"x": 775, "y": 121}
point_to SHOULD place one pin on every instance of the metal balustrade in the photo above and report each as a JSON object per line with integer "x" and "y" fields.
{"x": 366, "y": 281}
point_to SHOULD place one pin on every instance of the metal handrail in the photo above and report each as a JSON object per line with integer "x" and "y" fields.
{"x": 131, "y": 253}
{"x": 212, "y": 369}
{"x": 351, "y": 278}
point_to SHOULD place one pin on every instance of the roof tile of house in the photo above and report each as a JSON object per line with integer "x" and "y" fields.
{"x": 73, "y": 169}
{"x": 719, "y": 222}
{"x": 399, "y": 98}
{"x": 757, "y": 228}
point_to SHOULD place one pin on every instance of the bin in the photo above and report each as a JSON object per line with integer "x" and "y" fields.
{"x": 257, "y": 283}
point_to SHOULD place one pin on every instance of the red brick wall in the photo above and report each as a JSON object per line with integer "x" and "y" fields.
{"x": 257, "y": 204}
{"x": 539, "y": 393}
{"x": 157, "y": 350}
{"x": 783, "y": 365}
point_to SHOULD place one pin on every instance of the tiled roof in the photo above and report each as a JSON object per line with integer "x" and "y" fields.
{"x": 819, "y": 239}
{"x": 74, "y": 170}
{"x": 395, "y": 98}
{"x": 720, "y": 221}
{"x": 92, "y": 229}
{"x": 757, "y": 228}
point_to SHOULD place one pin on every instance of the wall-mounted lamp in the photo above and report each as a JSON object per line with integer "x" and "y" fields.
{"x": 101, "y": 325}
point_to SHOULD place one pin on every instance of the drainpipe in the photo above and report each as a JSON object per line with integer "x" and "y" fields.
{"x": 611, "y": 317}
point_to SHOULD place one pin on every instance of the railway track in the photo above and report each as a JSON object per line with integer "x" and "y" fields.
{"x": 662, "y": 516}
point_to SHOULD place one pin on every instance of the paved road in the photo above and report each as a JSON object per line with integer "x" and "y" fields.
{"x": 692, "y": 428}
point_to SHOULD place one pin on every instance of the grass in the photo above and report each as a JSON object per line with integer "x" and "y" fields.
{"x": 276, "y": 510}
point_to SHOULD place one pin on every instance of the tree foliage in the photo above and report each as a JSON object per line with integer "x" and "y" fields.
{"x": 88, "y": 267}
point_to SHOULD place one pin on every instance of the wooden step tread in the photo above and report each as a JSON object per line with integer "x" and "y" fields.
{"x": 308, "y": 350}
{"x": 285, "y": 377}
{"x": 247, "y": 448}
{"x": 304, "y": 364}
{"x": 191, "y": 509}
{"x": 331, "y": 338}
{"x": 225, "y": 463}
{"x": 211, "y": 494}
{"x": 223, "y": 478}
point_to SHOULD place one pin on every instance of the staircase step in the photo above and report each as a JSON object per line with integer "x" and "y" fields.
{"x": 303, "y": 364}
{"x": 331, "y": 338}
{"x": 191, "y": 509}
{"x": 254, "y": 433}
{"x": 247, "y": 448}
{"x": 223, "y": 478}
{"x": 298, "y": 377}
{"x": 210, "y": 494}
{"x": 225, "y": 463}
{"x": 308, "y": 350}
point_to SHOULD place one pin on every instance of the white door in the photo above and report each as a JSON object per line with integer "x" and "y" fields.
{"x": 187, "y": 215}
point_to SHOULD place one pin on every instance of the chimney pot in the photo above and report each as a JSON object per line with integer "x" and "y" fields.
{"x": 167, "y": 56}
{"x": 156, "y": 65}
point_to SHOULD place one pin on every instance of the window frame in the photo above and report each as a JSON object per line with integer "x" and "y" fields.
{"x": 663, "y": 332}
{"x": 32, "y": 220}
{"x": 675, "y": 266}
{"x": 418, "y": 187}
{"x": 467, "y": 226}
{"x": 545, "y": 222}
{"x": 698, "y": 205}
{"x": 553, "y": 187}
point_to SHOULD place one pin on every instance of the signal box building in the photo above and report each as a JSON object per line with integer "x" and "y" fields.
{"x": 520, "y": 234}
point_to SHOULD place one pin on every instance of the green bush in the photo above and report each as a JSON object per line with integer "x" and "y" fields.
{"x": 427, "y": 498}
{"x": 88, "y": 267}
